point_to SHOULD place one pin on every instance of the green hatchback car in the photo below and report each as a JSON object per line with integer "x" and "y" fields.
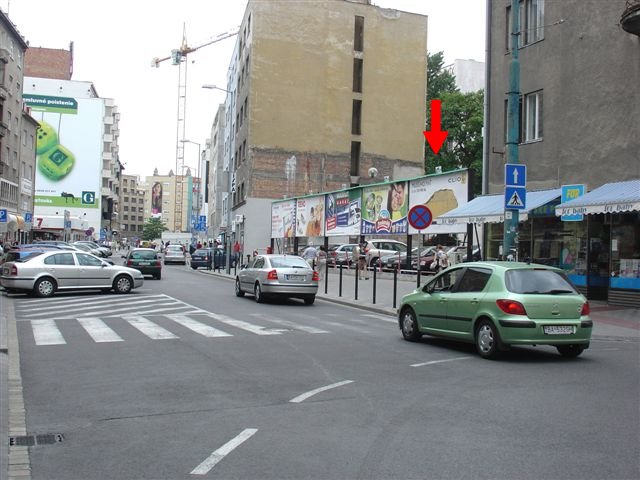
{"x": 147, "y": 260}
{"x": 498, "y": 304}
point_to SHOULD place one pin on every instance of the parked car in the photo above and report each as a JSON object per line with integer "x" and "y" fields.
{"x": 89, "y": 248}
{"x": 278, "y": 275}
{"x": 175, "y": 254}
{"x": 340, "y": 254}
{"x": 146, "y": 260}
{"x": 104, "y": 249}
{"x": 378, "y": 248}
{"x": 499, "y": 304}
{"x": 202, "y": 256}
{"x": 45, "y": 273}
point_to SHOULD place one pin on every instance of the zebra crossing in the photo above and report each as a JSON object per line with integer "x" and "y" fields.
{"x": 156, "y": 317}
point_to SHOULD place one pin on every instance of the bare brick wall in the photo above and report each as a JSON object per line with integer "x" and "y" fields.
{"x": 48, "y": 63}
{"x": 314, "y": 172}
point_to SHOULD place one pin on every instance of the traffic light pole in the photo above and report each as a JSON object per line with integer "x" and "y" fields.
{"x": 510, "y": 238}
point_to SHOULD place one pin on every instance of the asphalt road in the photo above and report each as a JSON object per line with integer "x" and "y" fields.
{"x": 182, "y": 380}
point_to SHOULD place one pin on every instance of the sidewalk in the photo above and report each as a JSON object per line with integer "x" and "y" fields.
{"x": 609, "y": 320}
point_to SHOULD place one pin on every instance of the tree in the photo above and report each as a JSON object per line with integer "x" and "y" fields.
{"x": 462, "y": 117}
{"x": 153, "y": 229}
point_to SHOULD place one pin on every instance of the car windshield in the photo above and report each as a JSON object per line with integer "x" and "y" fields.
{"x": 538, "y": 281}
{"x": 288, "y": 262}
{"x": 176, "y": 249}
{"x": 143, "y": 255}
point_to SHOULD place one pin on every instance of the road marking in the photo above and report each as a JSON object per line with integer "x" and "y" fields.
{"x": 46, "y": 332}
{"x": 310, "y": 393}
{"x": 98, "y": 330}
{"x": 85, "y": 308}
{"x": 82, "y": 301}
{"x": 433, "y": 362}
{"x": 223, "y": 451}
{"x": 258, "y": 330}
{"x": 198, "y": 327}
{"x": 384, "y": 318}
{"x": 289, "y": 324}
{"x": 150, "y": 329}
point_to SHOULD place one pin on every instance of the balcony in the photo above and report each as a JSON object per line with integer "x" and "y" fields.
{"x": 630, "y": 20}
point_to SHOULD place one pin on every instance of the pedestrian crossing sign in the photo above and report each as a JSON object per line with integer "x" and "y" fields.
{"x": 515, "y": 198}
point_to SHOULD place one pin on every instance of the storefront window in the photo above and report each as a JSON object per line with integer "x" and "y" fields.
{"x": 625, "y": 251}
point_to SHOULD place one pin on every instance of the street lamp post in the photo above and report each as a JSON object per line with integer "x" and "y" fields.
{"x": 196, "y": 209}
{"x": 230, "y": 187}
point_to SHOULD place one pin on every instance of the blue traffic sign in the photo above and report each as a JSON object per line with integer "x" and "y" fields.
{"x": 3, "y": 215}
{"x": 515, "y": 175}
{"x": 515, "y": 198}
{"x": 420, "y": 217}
{"x": 28, "y": 217}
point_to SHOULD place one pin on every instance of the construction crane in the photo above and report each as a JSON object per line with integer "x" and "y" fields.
{"x": 179, "y": 57}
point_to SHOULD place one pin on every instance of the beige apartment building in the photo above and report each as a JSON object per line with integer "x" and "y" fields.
{"x": 161, "y": 202}
{"x": 320, "y": 93}
{"x": 132, "y": 207}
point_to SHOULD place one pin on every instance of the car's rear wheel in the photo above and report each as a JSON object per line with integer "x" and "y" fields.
{"x": 487, "y": 340}
{"x": 309, "y": 299}
{"x": 122, "y": 284}
{"x": 194, "y": 267}
{"x": 257, "y": 292}
{"x": 159, "y": 276}
{"x": 570, "y": 351}
{"x": 239, "y": 292}
{"x": 409, "y": 325}
{"x": 44, "y": 287}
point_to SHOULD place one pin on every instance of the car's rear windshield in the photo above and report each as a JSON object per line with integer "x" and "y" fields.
{"x": 143, "y": 255}
{"x": 21, "y": 256}
{"x": 288, "y": 262}
{"x": 538, "y": 281}
{"x": 202, "y": 251}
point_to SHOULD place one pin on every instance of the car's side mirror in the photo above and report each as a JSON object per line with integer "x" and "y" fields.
{"x": 123, "y": 256}
{"x": 243, "y": 266}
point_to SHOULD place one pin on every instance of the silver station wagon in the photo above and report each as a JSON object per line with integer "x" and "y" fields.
{"x": 43, "y": 274}
{"x": 278, "y": 275}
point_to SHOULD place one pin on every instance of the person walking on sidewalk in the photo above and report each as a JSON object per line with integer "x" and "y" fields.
{"x": 321, "y": 262}
{"x": 441, "y": 261}
{"x": 362, "y": 263}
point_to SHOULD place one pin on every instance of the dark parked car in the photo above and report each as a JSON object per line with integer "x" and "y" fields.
{"x": 208, "y": 258}
{"x": 147, "y": 260}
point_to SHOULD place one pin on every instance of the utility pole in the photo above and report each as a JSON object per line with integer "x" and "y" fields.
{"x": 512, "y": 217}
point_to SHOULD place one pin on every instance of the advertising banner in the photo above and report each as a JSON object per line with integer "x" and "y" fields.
{"x": 343, "y": 213}
{"x": 310, "y": 217}
{"x": 440, "y": 193}
{"x": 385, "y": 208}
{"x": 69, "y": 156}
{"x": 283, "y": 219}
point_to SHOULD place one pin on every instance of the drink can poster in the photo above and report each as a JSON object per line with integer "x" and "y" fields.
{"x": 441, "y": 193}
{"x": 385, "y": 208}
{"x": 343, "y": 213}
{"x": 310, "y": 217}
{"x": 283, "y": 219}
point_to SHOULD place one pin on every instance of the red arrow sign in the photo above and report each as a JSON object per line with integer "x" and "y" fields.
{"x": 435, "y": 136}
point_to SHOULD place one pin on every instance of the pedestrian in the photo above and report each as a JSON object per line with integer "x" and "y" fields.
{"x": 237, "y": 248}
{"x": 322, "y": 262}
{"x": 310, "y": 253}
{"x": 209, "y": 259}
{"x": 440, "y": 260}
{"x": 363, "y": 272}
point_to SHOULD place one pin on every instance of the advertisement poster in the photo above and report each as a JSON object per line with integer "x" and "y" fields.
{"x": 156, "y": 200}
{"x": 343, "y": 213}
{"x": 310, "y": 217}
{"x": 385, "y": 208}
{"x": 283, "y": 219}
{"x": 68, "y": 156}
{"x": 441, "y": 193}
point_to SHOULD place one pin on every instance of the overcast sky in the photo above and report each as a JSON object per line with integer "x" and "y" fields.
{"x": 115, "y": 41}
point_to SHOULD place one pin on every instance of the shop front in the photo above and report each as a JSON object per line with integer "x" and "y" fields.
{"x": 606, "y": 242}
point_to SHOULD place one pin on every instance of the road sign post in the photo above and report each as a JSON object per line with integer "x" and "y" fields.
{"x": 419, "y": 217}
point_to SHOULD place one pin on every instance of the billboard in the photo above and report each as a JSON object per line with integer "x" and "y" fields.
{"x": 440, "y": 193}
{"x": 343, "y": 213}
{"x": 283, "y": 219}
{"x": 384, "y": 208}
{"x": 69, "y": 156}
{"x": 310, "y": 217}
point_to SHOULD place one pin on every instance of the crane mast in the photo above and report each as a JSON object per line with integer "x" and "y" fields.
{"x": 178, "y": 58}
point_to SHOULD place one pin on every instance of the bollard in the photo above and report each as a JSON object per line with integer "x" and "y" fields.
{"x": 418, "y": 275}
{"x": 395, "y": 287}
{"x": 340, "y": 282}
{"x": 357, "y": 275}
{"x": 374, "y": 285}
{"x": 326, "y": 278}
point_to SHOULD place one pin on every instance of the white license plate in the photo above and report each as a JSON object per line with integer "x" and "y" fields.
{"x": 559, "y": 330}
{"x": 144, "y": 263}
{"x": 295, "y": 277}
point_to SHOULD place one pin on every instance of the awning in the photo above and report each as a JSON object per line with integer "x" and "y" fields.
{"x": 14, "y": 222}
{"x": 490, "y": 208}
{"x": 609, "y": 198}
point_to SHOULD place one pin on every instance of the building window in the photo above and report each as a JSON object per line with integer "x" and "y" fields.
{"x": 357, "y": 75}
{"x": 534, "y": 21}
{"x": 356, "y": 117}
{"x": 358, "y": 34}
{"x": 533, "y": 116}
{"x": 355, "y": 158}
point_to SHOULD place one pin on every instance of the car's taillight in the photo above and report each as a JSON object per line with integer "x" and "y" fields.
{"x": 272, "y": 275}
{"x": 511, "y": 307}
{"x": 586, "y": 309}
{"x": 14, "y": 270}
{"x": 316, "y": 276}
{"x": 129, "y": 262}
{"x": 158, "y": 264}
